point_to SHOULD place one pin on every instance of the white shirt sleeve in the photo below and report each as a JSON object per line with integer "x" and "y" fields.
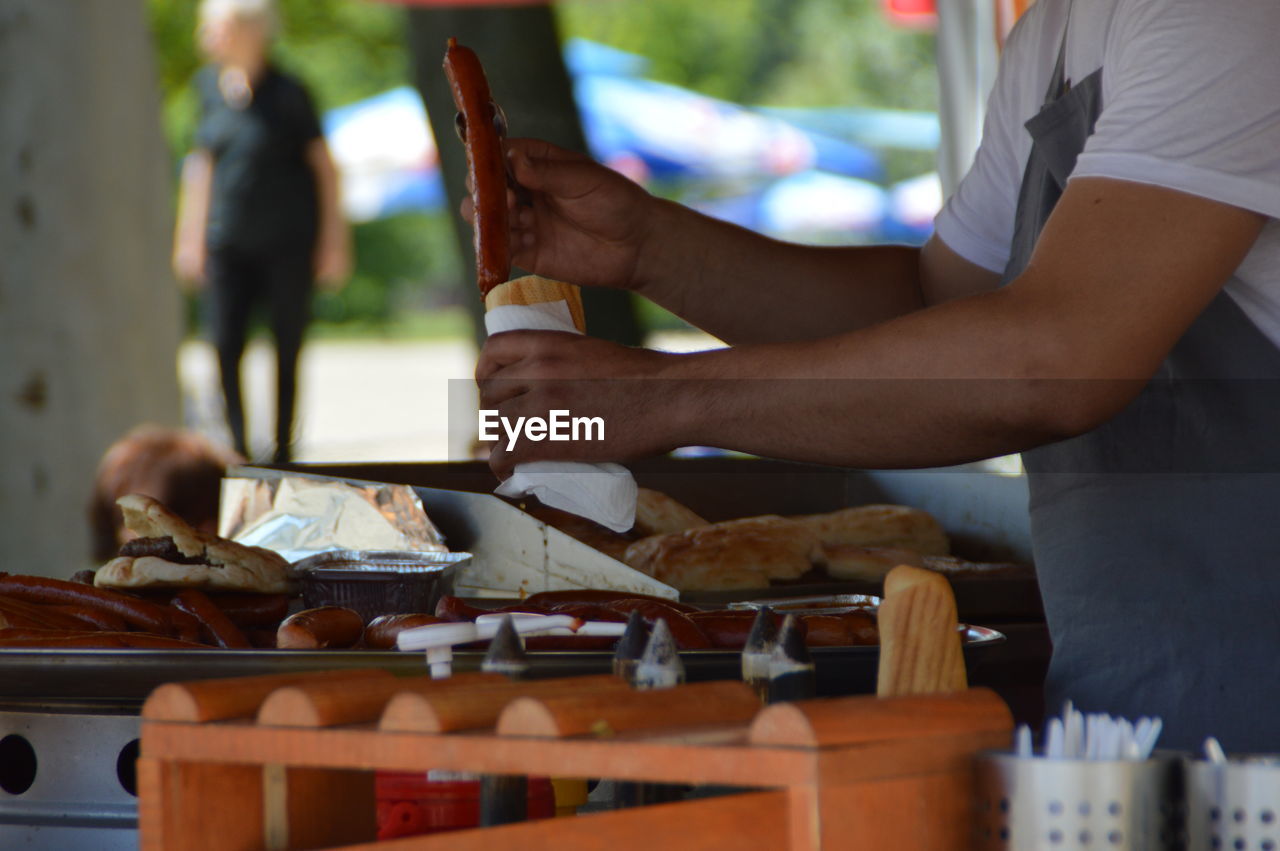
{"x": 977, "y": 220}
{"x": 1191, "y": 100}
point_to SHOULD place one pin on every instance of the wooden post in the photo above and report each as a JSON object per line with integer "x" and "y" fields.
{"x": 199, "y": 806}
{"x": 316, "y": 808}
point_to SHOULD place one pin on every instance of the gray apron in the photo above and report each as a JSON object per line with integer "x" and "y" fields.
{"x": 1156, "y": 536}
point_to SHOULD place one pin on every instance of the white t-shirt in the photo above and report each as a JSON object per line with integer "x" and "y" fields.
{"x": 1190, "y": 101}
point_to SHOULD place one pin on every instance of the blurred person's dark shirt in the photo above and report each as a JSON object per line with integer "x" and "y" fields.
{"x": 263, "y": 194}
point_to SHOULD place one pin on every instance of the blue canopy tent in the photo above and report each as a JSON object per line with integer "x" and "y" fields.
{"x": 773, "y": 173}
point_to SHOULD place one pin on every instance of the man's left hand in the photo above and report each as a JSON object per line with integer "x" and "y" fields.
{"x": 531, "y": 373}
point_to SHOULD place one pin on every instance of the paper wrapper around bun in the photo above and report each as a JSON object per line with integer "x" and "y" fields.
{"x": 605, "y": 493}
{"x": 534, "y": 290}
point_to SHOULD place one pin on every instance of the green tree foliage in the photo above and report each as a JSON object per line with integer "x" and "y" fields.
{"x": 803, "y": 53}
{"x": 782, "y": 53}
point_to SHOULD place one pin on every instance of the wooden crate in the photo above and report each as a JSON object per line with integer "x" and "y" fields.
{"x": 272, "y": 763}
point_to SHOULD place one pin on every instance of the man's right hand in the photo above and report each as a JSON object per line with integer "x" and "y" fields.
{"x": 583, "y": 222}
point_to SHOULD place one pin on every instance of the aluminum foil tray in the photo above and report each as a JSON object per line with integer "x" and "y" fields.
{"x": 378, "y": 582}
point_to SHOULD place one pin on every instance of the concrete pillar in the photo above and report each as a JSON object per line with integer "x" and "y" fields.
{"x": 89, "y": 314}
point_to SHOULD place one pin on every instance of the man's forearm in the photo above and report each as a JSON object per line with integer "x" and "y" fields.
{"x": 957, "y": 383}
{"x": 747, "y": 288}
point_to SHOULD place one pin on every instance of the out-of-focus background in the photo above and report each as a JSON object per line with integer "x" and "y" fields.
{"x": 810, "y": 120}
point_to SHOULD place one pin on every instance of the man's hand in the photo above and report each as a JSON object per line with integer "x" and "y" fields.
{"x": 583, "y": 222}
{"x": 530, "y": 373}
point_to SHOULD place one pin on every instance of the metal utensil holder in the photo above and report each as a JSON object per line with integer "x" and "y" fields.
{"x": 1233, "y": 805}
{"x": 1038, "y": 803}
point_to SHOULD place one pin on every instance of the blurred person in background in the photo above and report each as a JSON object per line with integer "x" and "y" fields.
{"x": 179, "y": 468}
{"x": 258, "y": 217}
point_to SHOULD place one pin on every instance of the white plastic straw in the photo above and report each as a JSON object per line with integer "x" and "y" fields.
{"x": 1054, "y": 741}
{"x": 1022, "y": 741}
{"x": 1096, "y": 736}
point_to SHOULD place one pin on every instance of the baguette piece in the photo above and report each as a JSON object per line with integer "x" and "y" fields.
{"x": 745, "y": 553}
{"x": 898, "y": 526}
{"x": 659, "y": 514}
{"x": 867, "y": 564}
{"x": 958, "y": 568}
{"x": 872, "y": 564}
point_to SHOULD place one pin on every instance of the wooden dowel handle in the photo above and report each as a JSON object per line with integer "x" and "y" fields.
{"x": 855, "y": 720}
{"x": 328, "y": 704}
{"x": 606, "y": 713}
{"x": 474, "y": 709}
{"x": 237, "y": 697}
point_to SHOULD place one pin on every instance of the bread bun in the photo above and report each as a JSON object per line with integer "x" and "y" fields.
{"x": 221, "y": 565}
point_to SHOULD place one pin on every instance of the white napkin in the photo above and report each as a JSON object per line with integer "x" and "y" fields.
{"x": 605, "y": 493}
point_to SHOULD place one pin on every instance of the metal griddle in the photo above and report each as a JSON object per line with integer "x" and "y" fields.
{"x": 34, "y": 679}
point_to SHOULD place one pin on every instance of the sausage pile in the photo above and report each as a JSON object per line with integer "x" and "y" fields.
{"x": 37, "y": 611}
{"x": 42, "y": 612}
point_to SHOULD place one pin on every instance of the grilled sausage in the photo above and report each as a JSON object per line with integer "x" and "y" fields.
{"x": 215, "y": 626}
{"x": 93, "y": 618}
{"x": 28, "y": 614}
{"x": 486, "y": 168}
{"x": 683, "y": 630}
{"x": 315, "y": 629}
{"x": 726, "y": 629}
{"x": 601, "y": 596}
{"x": 381, "y": 633}
{"x": 137, "y": 613}
{"x": 252, "y": 610}
{"x": 454, "y": 610}
{"x": 36, "y": 638}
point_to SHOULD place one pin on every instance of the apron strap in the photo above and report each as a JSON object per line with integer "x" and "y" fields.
{"x": 1058, "y": 86}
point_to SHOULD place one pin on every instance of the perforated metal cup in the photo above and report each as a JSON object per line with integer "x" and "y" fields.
{"x": 1233, "y": 805}
{"x": 1046, "y": 804}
